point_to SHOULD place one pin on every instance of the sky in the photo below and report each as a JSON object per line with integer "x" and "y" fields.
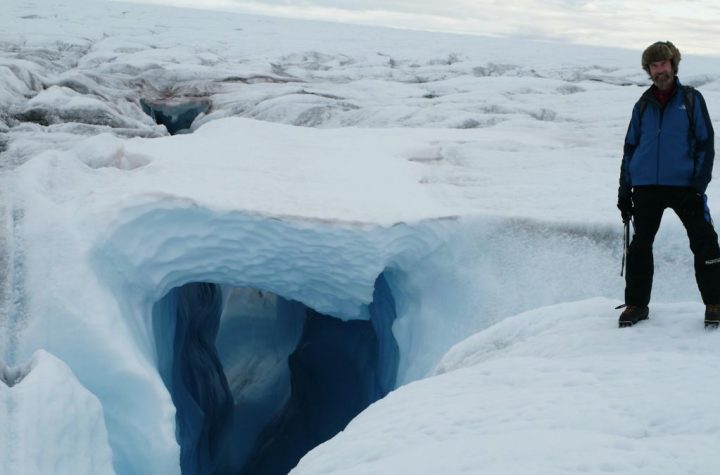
{"x": 690, "y": 24}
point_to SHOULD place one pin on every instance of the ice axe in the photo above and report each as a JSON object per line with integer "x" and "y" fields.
{"x": 626, "y": 245}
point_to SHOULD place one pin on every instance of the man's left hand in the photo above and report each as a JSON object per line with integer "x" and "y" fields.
{"x": 694, "y": 201}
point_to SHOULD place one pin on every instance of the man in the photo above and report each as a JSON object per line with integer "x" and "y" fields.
{"x": 667, "y": 163}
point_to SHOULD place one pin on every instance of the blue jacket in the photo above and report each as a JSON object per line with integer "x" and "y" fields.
{"x": 659, "y": 148}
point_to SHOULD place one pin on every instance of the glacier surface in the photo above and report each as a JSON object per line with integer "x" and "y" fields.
{"x": 414, "y": 188}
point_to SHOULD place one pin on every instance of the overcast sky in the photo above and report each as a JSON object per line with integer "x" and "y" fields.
{"x": 693, "y": 25}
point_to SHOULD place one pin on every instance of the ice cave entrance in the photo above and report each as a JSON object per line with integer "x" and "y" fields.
{"x": 258, "y": 380}
{"x": 177, "y": 118}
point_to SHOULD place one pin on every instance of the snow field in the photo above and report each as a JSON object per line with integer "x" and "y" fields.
{"x": 555, "y": 390}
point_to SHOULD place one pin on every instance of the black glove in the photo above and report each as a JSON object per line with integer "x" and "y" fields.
{"x": 694, "y": 202}
{"x": 625, "y": 205}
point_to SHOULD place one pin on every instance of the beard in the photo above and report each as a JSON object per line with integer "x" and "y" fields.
{"x": 663, "y": 80}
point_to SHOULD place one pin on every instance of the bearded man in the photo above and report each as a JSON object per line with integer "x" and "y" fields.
{"x": 667, "y": 163}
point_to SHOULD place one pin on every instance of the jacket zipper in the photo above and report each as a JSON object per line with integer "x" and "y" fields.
{"x": 657, "y": 167}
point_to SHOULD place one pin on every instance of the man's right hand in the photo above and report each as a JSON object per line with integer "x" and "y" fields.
{"x": 625, "y": 205}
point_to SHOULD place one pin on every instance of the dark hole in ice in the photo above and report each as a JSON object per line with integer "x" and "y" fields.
{"x": 258, "y": 380}
{"x": 177, "y": 118}
{"x": 11, "y": 376}
{"x": 36, "y": 116}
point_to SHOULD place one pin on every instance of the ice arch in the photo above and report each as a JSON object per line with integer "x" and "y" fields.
{"x": 333, "y": 275}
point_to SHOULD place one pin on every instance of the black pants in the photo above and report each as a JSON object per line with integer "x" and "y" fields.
{"x": 649, "y": 204}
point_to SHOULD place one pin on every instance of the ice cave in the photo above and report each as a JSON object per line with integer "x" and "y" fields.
{"x": 269, "y": 335}
{"x": 281, "y": 379}
{"x": 176, "y": 117}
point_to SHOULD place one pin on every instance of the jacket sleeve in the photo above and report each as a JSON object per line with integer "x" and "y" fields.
{"x": 632, "y": 138}
{"x": 704, "y": 144}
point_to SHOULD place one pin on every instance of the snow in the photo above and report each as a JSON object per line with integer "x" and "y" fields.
{"x": 558, "y": 389}
{"x": 58, "y": 432}
{"x": 477, "y": 174}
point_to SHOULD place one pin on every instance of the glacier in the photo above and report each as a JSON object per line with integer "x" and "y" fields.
{"x": 201, "y": 213}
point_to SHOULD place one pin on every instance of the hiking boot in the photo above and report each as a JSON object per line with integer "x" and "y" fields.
{"x": 712, "y": 316}
{"x": 633, "y": 314}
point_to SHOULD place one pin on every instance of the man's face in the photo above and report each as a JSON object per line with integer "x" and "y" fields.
{"x": 661, "y": 73}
